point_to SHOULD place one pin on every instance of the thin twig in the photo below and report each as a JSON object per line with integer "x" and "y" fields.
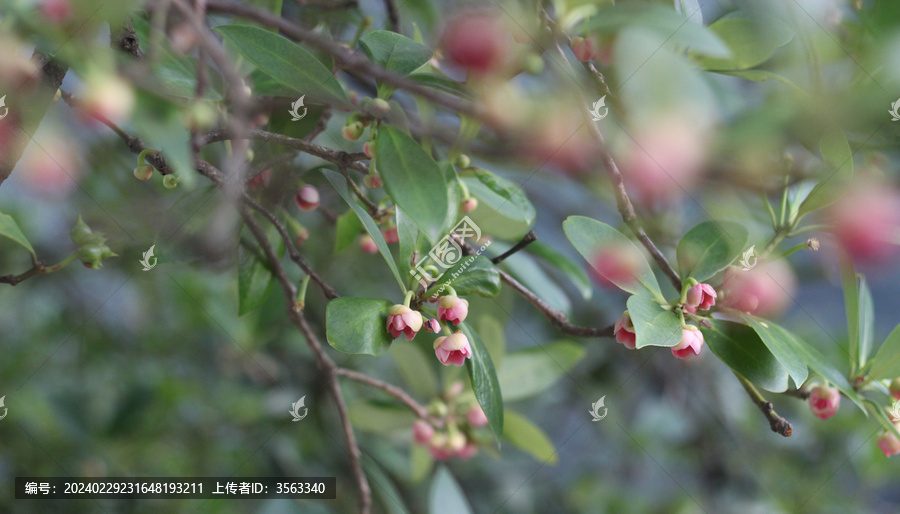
{"x": 392, "y": 390}
{"x": 527, "y": 239}
{"x": 776, "y": 422}
{"x": 393, "y": 14}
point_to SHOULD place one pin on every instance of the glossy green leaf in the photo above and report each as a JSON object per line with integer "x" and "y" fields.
{"x": 340, "y": 185}
{"x": 886, "y": 363}
{"x": 851, "y": 305}
{"x": 653, "y": 325}
{"x": 255, "y": 279}
{"x": 492, "y": 335}
{"x": 866, "y": 321}
{"x": 742, "y": 350}
{"x": 420, "y": 463}
{"x": 358, "y": 325}
{"x": 470, "y": 275}
{"x": 394, "y": 52}
{"x": 286, "y": 62}
{"x": 347, "y": 230}
{"x": 442, "y": 83}
{"x": 416, "y": 369}
{"x": 574, "y": 272}
{"x": 710, "y": 247}
{"x": 528, "y": 437}
{"x": 589, "y": 236}
{"x": 412, "y": 179}
{"x": 446, "y": 496}
{"x": 838, "y": 172}
{"x": 819, "y": 364}
{"x": 528, "y": 372}
{"x": 506, "y": 192}
{"x": 751, "y": 42}
{"x": 408, "y": 236}
{"x": 10, "y": 229}
{"x": 690, "y": 9}
{"x": 494, "y": 214}
{"x": 783, "y": 346}
{"x": 484, "y": 381}
{"x": 662, "y": 21}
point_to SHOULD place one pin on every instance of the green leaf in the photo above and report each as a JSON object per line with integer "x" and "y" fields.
{"x": 380, "y": 419}
{"x": 357, "y": 325}
{"x": 762, "y": 76}
{"x": 783, "y": 346}
{"x": 751, "y": 42}
{"x": 528, "y": 437}
{"x": 838, "y": 172}
{"x": 571, "y": 270}
{"x": 590, "y": 236}
{"x": 340, "y": 185}
{"x": 742, "y": 350}
{"x": 662, "y": 21}
{"x": 159, "y": 123}
{"x": 416, "y": 369}
{"x": 446, "y": 495}
{"x": 412, "y": 179}
{"x": 819, "y": 364}
{"x": 470, "y": 275}
{"x": 484, "y": 381}
{"x": 494, "y": 214}
{"x": 493, "y": 337}
{"x": 851, "y": 305}
{"x": 507, "y": 197}
{"x": 395, "y": 52}
{"x": 408, "y": 235}
{"x": 383, "y": 488}
{"x": 347, "y": 230}
{"x": 524, "y": 268}
{"x": 442, "y": 83}
{"x": 710, "y": 247}
{"x": 286, "y": 62}
{"x": 254, "y": 276}
{"x": 10, "y": 229}
{"x": 866, "y": 321}
{"x": 528, "y": 372}
{"x": 420, "y": 463}
{"x": 653, "y": 325}
{"x": 886, "y": 363}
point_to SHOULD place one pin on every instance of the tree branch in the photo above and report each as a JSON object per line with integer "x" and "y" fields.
{"x": 125, "y": 39}
{"x": 776, "y": 422}
{"x": 529, "y": 238}
{"x": 393, "y": 15}
{"x": 392, "y": 390}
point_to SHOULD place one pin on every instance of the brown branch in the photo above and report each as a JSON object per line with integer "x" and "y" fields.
{"x": 529, "y": 238}
{"x": 338, "y": 157}
{"x": 392, "y": 390}
{"x": 346, "y": 4}
{"x": 801, "y": 393}
{"x": 325, "y": 363}
{"x": 293, "y": 253}
{"x": 125, "y": 39}
{"x": 776, "y": 423}
{"x": 393, "y": 14}
{"x": 343, "y": 56}
{"x": 16, "y": 279}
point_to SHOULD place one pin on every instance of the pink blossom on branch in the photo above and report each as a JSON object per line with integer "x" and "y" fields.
{"x": 403, "y": 320}
{"x": 624, "y": 331}
{"x": 691, "y": 343}
{"x": 700, "y": 297}
{"x": 453, "y": 349}
{"x": 824, "y": 401}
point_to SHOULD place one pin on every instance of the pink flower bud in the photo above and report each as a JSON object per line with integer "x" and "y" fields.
{"x": 624, "y": 331}
{"x": 143, "y": 173}
{"x": 403, "y": 320}
{"x": 369, "y": 149}
{"x": 895, "y": 388}
{"x": 353, "y": 131}
{"x": 477, "y": 41}
{"x": 307, "y": 198}
{"x": 476, "y": 416}
{"x": 585, "y": 49}
{"x": 455, "y": 389}
{"x": 439, "y": 447}
{"x": 302, "y": 236}
{"x": 367, "y": 244}
{"x": 453, "y": 309}
{"x": 690, "y": 344}
{"x": 260, "y": 180}
{"x": 867, "y": 220}
{"x": 432, "y": 325}
{"x": 700, "y": 297}
{"x": 422, "y": 432}
{"x": 763, "y": 291}
{"x": 391, "y": 235}
{"x": 824, "y": 401}
{"x": 453, "y": 349}
{"x": 467, "y": 451}
{"x": 468, "y": 205}
{"x": 56, "y": 11}
{"x": 372, "y": 181}
{"x": 889, "y": 444}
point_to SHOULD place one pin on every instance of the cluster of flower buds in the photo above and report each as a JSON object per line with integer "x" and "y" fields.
{"x": 461, "y": 426}
{"x": 689, "y": 346}
{"x": 453, "y": 349}
{"x": 93, "y": 245}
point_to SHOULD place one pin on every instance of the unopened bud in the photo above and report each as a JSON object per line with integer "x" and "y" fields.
{"x": 468, "y": 205}
{"x": 463, "y": 161}
{"x": 170, "y": 181}
{"x": 353, "y": 131}
{"x": 143, "y": 173}
{"x": 372, "y": 181}
{"x": 813, "y": 244}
